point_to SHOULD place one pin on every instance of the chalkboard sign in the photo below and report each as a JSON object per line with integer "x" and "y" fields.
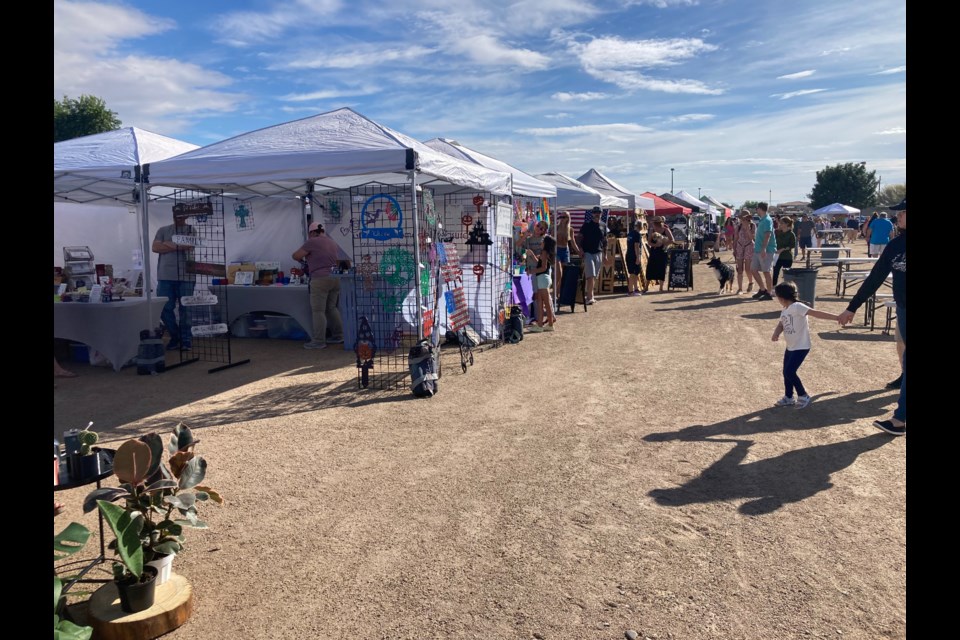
{"x": 681, "y": 271}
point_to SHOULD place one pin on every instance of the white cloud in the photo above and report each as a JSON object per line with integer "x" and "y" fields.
{"x": 243, "y": 28}
{"x": 797, "y": 75}
{"x": 565, "y": 96}
{"x": 890, "y": 132}
{"x": 632, "y": 80}
{"x": 486, "y": 50}
{"x": 360, "y": 57}
{"x": 587, "y": 129}
{"x": 154, "y": 93}
{"x": 329, "y": 94}
{"x": 794, "y": 94}
{"x": 890, "y": 71}
{"x": 558, "y": 116}
{"x": 691, "y": 117}
{"x": 663, "y": 4}
{"x": 830, "y": 52}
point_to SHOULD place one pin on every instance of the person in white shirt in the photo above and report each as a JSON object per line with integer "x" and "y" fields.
{"x": 796, "y": 332}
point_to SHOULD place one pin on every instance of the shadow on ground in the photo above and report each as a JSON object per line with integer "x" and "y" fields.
{"x": 769, "y": 484}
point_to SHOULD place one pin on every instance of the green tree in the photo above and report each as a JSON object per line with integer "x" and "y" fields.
{"x": 83, "y": 116}
{"x": 751, "y": 205}
{"x": 892, "y": 194}
{"x": 848, "y": 184}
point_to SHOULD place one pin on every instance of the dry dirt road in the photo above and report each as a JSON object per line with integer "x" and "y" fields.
{"x": 626, "y": 472}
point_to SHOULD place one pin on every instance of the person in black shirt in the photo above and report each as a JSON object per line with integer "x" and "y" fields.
{"x": 893, "y": 258}
{"x": 542, "y": 280}
{"x": 591, "y": 250}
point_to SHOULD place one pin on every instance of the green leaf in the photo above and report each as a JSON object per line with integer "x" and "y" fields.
{"x": 57, "y": 588}
{"x": 181, "y": 501}
{"x": 69, "y": 541}
{"x": 126, "y": 526}
{"x": 111, "y": 494}
{"x": 194, "y": 473}
{"x": 160, "y": 485}
{"x": 182, "y": 438}
{"x": 194, "y": 523}
{"x": 66, "y": 630}
{"x": 168, "y": 547}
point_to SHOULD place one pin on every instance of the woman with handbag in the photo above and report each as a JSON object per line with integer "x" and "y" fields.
{"x": 660, "y": 238}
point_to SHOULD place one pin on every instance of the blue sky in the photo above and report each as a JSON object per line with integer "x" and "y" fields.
{"x": 741, "y": 98}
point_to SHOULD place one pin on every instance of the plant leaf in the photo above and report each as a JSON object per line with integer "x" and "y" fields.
{"x": 126, "y": 526}
{"x": 132, "y": 461}
{"x": 69, "y": 541}
{"x": 194, "y": 524}
{"x": 182, "y": 438}
{"x": 179, "y": 460}
{"x": 110, "y": 494}
{"x": 194, "y": 473}
{"x": 57, "y": 587}
{"x": 168, "y": 547}
{"x": 161, "y": 484}
{"x": 66, "y": 630}
{"x": 216, "y": 497}
{"x": 181, "y": 501}
{"x": 155, "y": 442}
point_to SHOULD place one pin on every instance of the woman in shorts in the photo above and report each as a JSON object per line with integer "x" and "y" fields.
{"x": 743, "y": 249}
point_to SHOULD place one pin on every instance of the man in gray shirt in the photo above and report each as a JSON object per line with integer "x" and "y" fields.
{"x": 804, "y": 235}
{"x": 173, "y": 282}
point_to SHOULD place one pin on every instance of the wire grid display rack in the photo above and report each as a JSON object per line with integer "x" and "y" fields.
{"x": 391, "y": 291}
{"x": 469, "y": 223}
{"x": 203, "y": 306}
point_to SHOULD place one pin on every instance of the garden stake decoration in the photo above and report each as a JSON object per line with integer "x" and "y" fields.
{"x": 366, "y": 349}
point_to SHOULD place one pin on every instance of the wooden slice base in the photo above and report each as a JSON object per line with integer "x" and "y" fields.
{"x": 172, "y": 607}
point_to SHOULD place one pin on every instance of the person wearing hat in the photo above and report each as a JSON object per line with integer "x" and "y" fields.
{"x": 173, "y": 282}
{"x": 893, "y": 259}
{"x": 743, "y": 249}
{"x": 321, "y": 253}
{"x": 591, "y": 251}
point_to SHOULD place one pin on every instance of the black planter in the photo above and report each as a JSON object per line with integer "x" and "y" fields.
{"x": 138, "y": 595}
{"x": 89, "y": 465}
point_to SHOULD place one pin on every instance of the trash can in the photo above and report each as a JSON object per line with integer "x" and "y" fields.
{"x": 806, "y": 281}
{"x": 829, "y": 257}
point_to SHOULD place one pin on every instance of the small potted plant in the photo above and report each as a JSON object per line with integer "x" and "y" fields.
{"x": 136, "y": 583}
{"x": 89, "y": 461}
{"x": 156, "y": 493}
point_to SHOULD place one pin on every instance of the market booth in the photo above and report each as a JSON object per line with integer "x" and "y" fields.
{"x": 98, "y": 214}
{"x": 376, "y": 192}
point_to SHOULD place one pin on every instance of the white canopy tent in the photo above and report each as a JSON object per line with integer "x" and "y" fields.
{"x": 524, "y": 184}
{"x": 836, "y": 209}
{"x": 696, "y": 202}
{"x": 330, "y": 151}
{"x": 97, "y": 191}
{"x": 606, "y": 186}
{"x": 573, "y": 194}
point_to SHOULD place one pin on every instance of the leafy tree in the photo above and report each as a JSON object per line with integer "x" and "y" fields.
{"x": 848, "y": 183}
{"x": 892, "y": 194}
{"x": 83, "y": 116}
{"x": 751, "y": 204}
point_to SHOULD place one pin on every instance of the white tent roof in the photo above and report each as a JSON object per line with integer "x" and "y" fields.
{"x": 606, "y": 186}
{"x": 573, "y": 194}
{"x": 836, "y": 207}
{"x": 691, "y": 199}
{"x": 524, "y": 184}
{"x": 103, "y": 166}
{"x": 337, "y": 150}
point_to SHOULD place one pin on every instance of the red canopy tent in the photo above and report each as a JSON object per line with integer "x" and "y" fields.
{"x": 665, "y": 208}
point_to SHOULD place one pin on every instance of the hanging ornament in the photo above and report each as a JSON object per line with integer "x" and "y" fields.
{"x": 244, "y": 216}
{"x": 366, "y": 349}
{"x": 466, "y": 220}
{"x": 478, "y": 202}
{"x": 478, "y": 271}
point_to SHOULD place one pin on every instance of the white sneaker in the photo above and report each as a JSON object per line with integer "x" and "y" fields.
{"x": 314, "y": 344}
{"x": 786, "y": 402}
{"x": 534, "y": 328}
{"x": 803, "y": 401}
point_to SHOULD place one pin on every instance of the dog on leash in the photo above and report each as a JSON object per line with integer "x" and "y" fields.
{"x": 723, "y": 273}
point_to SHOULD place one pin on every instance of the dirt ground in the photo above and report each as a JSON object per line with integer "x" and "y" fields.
{"x": 626, "y": 472}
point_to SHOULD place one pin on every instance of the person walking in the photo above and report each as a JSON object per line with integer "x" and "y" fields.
{"x": 879, "y": 233}
{"x": 634, "y": 251}
{"x": 743, "y": 249}
{"x": 321, "y": 254}
{"x": 764, "y": 252}
{"x": 795, "y": 328}
{"x": 892, "y": 259}
{"x": 786, "y": 241}
{"x": 658, "y": 239}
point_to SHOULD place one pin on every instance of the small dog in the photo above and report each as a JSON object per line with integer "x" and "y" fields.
{"x": 724, "y": 274}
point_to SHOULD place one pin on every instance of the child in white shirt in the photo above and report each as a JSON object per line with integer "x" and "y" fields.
{"x": 796, "y": 332}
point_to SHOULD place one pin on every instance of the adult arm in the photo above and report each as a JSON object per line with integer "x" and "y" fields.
{"x": 300, "y": 254}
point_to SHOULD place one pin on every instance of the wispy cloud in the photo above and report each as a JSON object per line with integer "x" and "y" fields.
{"x": 691, "y": 117}
{"x": 794, "y": 94}
{"x": 797, "y": 75}
{"x": 245, "y": 28}
{"x": 890, "y": 132}
{"x": 830, "y": 52}
{"x": 566, "y": 96}
{"x": 360, "y": 57}
{"x": 586, "y": 129}
{"x": 663, "y": 4}
{"x": 558, "y": 116}
{"x": 329, "y": 94}
{"x": 618, "y": 62}
{"x": 890, "y": 71}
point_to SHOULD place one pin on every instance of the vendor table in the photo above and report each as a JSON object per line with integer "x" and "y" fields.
{"x": 291, "y": 300}
{"x": 831, "y": 235}
{"x": 112, "y": 328}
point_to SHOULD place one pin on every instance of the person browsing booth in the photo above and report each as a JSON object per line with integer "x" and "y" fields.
{"x": 320, "y": 253}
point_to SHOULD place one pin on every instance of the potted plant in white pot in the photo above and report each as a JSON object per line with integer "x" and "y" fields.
{"x": 157, "y": 493}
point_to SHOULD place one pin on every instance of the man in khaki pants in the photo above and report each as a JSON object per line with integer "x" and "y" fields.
{"x": 320, "y": 254}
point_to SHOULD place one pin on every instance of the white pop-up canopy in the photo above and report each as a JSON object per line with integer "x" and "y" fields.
{"x": 524, "y": 184}
{"x": 334, "y": 150}
{"x": 696, "y": 202}
{"x": 836, "y": 208}
{"x": 573, "y": 194}
{"x": 104, "y": 166}
{"x": 606, "y": 186}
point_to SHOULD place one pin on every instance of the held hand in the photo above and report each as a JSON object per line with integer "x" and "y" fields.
{"x": 845, "y": 318}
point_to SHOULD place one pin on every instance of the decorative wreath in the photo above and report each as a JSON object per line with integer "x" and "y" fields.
{"x": 397, "y": 266}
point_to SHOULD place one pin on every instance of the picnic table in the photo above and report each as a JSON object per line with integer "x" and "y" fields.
{"x": 820, "y": 250}
{"x": 831, "y": 235}
{"x": 843, "y": 266}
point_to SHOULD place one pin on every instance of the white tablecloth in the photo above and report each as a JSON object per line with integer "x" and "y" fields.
{"x": 112, "y": 328}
